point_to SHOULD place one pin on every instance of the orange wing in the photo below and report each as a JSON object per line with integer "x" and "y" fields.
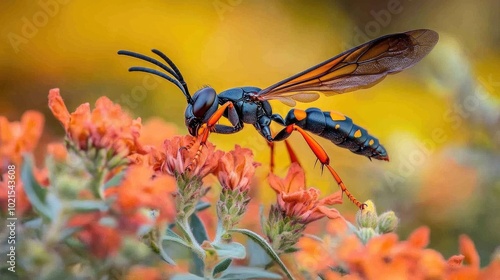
{"x": 360, "y": 67}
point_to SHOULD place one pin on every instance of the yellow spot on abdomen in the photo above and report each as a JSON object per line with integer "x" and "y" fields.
{"x": 336, "y": 116}
{"x": 337, "y": 126}
{"x": 371, "y": 142}
{"x": 357, "y": 134}
{"x": 299, "y": 114}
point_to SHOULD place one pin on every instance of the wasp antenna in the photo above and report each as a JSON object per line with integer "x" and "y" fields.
{"x": 160, "y": 74}
{"x": 151, "y": 60}
{"x": 177, "y": 79}
{"x": 174, "y": 67}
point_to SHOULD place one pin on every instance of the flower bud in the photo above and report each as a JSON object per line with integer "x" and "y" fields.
{"x": 365, "y": 234}
{"x": 367, "y": 217}
{"x": 387, "y": 222}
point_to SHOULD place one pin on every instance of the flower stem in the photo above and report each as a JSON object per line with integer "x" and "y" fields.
{"x": 183, "y": 224}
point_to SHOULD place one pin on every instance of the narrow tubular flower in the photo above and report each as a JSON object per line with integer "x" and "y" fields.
{"x": 103, "y": 241}
{"x": 139, "y": 190}
{"x": 296, "y": 207}
{"x": 175, "y": 158}
{"x": 17, "y": 138}
{"x": 236, "y": 169}
{"x": 107, "y": 126}
{"x": 302, "y": 203}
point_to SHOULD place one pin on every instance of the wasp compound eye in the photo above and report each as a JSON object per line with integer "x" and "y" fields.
{"x": 203, "y": 101}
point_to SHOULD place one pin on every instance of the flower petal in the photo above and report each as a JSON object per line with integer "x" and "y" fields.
{"x": 58, "y": 108}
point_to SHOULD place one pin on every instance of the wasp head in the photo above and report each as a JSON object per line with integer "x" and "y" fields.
{"x": 204, "y": 104}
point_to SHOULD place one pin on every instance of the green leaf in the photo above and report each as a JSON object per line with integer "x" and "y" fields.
{"x": 200, "y": 234}
{"x": 171, "y": 233}
{"x": 257, "y": 255}
{"x": 198, "y": 228}
{"x": 232, "y": 250}
{"x": 201, "y": 205}
{"x": 36, "y": 194}
{"x": 186, "y": 277}
{"x": 267, "y": 248}
{"x": 220, "y": 267}
{"x": 115, "y": 180}
{"x": 174, "y": 239}
{"x": 164, "y": 255}
{"x": 240, "y": 272}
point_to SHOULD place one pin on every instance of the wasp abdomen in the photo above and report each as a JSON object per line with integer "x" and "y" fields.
{"x": 339, "y": 129}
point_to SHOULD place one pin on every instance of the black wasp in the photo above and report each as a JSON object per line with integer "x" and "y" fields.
{"x": 360, "y": 67}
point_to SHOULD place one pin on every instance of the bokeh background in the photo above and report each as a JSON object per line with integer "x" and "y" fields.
{"x": 439, "y": 121}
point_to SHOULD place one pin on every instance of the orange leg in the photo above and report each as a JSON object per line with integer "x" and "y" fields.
{"x": 323, "y": 158}
{"x": 190, "y": 144}
{"x": 291, "y": 154}
{"x": 205, "y": 130}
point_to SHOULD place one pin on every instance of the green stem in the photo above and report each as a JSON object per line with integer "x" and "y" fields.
{"x": 220, "y": 231}
{"x": 183, "y": 224}
{"x": 152, "y": 243}
{"x": 52, "y": 234}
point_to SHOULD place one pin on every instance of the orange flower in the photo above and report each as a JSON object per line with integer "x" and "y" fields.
{"x": 236, "y": 169}
{"x": 298, "y": 201}
{"x": 468, "y": 254}
{"x": 103, "y": 241}
{"x": 157, "y": 272}
{"x": 155, "y": 131}
{"x": 140, "y": 190}
{"x": 58, "y": 151}
{"x": 107, "y": 126}
{"x": 384, "y": 257}
{"x": 17, "y": 138}
{"x": 468, "y": 250}
{"x": 142, "y": 272}
{"x": 316, "y": 256}
{"x": 153, "y": 134}
{"x": 23, "y": 204}
{"x": 175, "y": 158}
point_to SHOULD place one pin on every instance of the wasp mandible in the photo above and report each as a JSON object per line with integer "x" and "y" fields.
{"x": 357, "y": 68}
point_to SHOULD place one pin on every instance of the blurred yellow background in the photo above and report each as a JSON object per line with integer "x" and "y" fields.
{"x": 439, "y": 121}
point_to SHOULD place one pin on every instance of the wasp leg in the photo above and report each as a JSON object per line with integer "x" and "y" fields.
{"x": 226, "y": 129}
{"x": 279, "y": 119}
{"x": 291, "y": 153}
{"x": 189, "y": 145}
{"x": 208, "y": 127}
{"x": 289, "y": 149}
{"x": 320, "y": 155}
